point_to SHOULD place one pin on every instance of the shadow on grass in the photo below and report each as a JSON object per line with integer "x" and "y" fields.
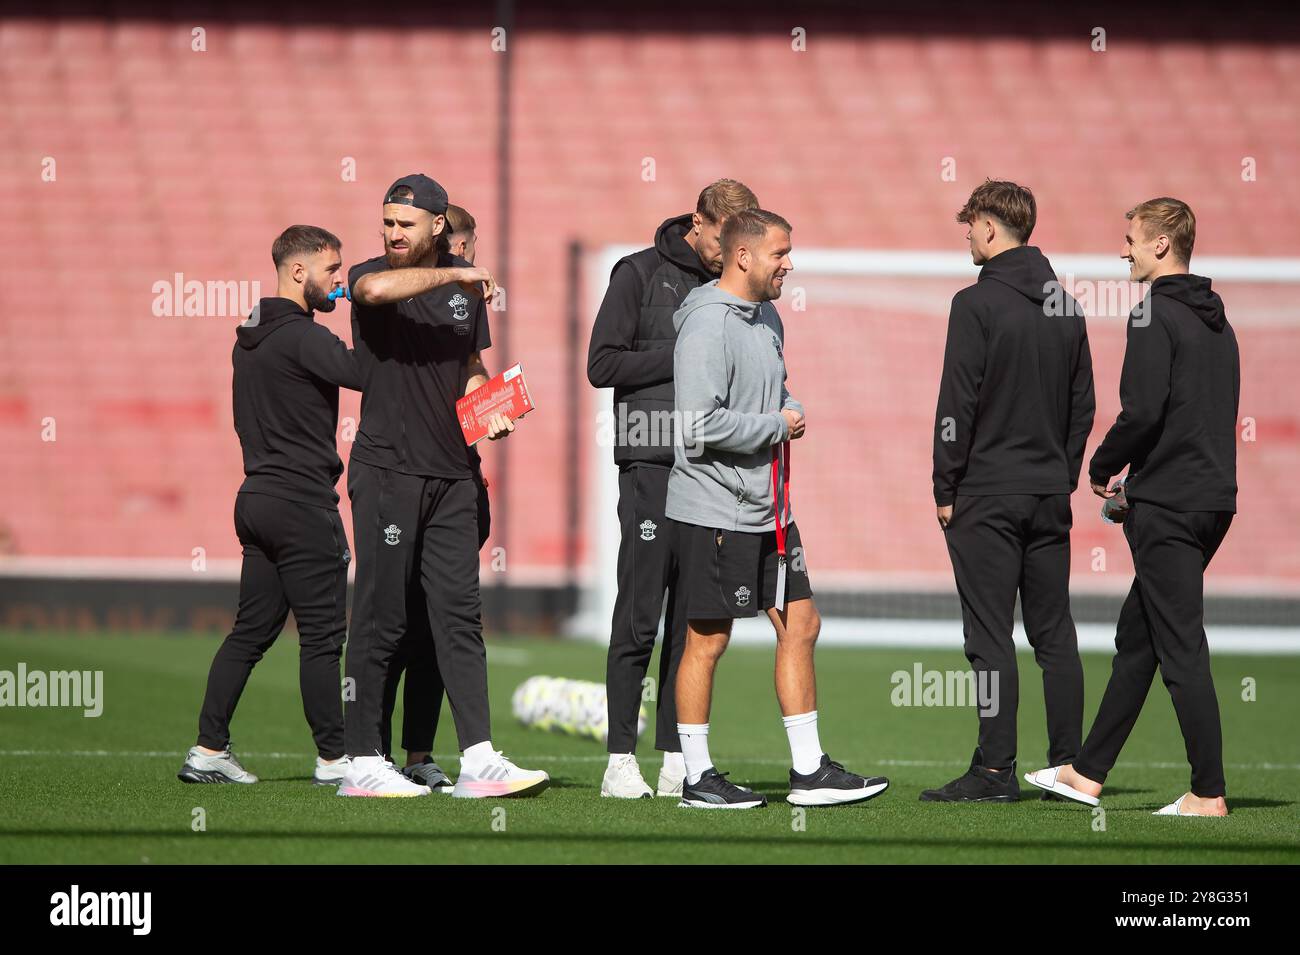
{"x": 1234, "y": 805}
{"x": 786, "y": 841}
{"x": 775, "y": 789}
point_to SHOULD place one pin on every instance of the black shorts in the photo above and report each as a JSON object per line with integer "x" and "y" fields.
{"x": 733, "y": 573}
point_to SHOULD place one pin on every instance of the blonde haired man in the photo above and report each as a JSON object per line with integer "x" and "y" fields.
{"x": 1177, "y": 434}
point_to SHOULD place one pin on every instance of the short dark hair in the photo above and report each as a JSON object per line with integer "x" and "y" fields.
{"x": 1011, "y": 204}
{"x": 748, "y": 224}
{"x": 302, "y": 240}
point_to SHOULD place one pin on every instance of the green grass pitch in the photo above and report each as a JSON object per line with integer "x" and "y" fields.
{"x": 104, "y": 790}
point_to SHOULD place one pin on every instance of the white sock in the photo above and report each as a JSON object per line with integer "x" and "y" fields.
{"x": 477, "y": 755}
{"x": 805, "y": 747}
{"x": 695, "y": 749}
{"x": 674, "y": 764}
{"x": 616, "y": 757}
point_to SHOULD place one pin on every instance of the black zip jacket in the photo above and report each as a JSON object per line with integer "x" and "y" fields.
{"x": 1179, "y": 391}
{"x": 1016, "y": 400}
{"x": 287, "y": 375}
{"x": 632, "y": 341}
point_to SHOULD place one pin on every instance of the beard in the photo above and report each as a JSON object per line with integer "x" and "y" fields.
{"x": 762, "y": 290}
{"x": 414, "y": 253}
{"x": 317, "y": 297}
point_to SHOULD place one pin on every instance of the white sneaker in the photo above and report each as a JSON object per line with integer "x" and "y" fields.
{"x": 331, "y": 774}
{"x": 223, "y": 767}
{"x": 497, "y": 777}
{"x": 376, "y": 776}
{"x": 623, "y": 780}
{"x": 670, "y": 782}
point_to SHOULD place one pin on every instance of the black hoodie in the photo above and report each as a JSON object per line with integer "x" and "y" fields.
{"x": 632, "y": 340}
{"x": 1179, "y": 391}
{"x": 1016, "y": 400}
{"x": 287, "y": 374}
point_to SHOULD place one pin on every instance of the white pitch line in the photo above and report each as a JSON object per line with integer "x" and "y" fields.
{"x": 79, "y": 753}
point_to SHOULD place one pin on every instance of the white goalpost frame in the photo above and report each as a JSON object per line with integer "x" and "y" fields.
{"x": 599, "y": 580}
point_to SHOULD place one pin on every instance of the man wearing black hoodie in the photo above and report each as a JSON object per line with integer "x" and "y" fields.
{"x": 1177, "y": 434}
{"x": 287, "y": 375}
{"x": 631, "y": 351}
{"x": 1015, "y": 408}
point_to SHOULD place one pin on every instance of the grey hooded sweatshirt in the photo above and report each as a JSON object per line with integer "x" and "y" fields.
{"x": 729, "y": 387}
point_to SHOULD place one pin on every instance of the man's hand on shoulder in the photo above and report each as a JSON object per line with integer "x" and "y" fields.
{"x": 477, "y": 279}
{"x": 394, "y": 285}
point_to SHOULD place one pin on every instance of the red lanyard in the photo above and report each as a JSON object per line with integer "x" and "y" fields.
{"x": 781, "y": 491}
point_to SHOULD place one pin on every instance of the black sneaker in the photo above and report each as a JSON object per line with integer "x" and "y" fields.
{"x": 980, "y": 784}
{"x": 713, "y": 791}
{"x": 832, "y": 785}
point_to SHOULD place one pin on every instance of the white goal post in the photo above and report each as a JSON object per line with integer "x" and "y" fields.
{"x": 598, "y": 578}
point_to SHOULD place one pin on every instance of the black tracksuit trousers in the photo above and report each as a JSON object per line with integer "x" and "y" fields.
{"x": 295, "y": 558}
{"x": 1162, "y": 624}
{"x": 408, "y": 527}
{"x": 422, "y": 690}
{"x": 647, "y": 567}
{"x": 999, "y": 545}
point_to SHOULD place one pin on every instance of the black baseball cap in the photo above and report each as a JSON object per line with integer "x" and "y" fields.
{"x": 426, "y": 194}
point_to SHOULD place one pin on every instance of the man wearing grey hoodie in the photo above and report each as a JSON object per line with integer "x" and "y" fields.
{"x": 730, "y": 477}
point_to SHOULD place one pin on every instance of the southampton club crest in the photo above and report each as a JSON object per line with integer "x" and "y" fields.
{"x": 459, "y": 307}
{"x": 391, "y": 533}
{"x": 648, "y": 528}
{"x": 742, "y": 597}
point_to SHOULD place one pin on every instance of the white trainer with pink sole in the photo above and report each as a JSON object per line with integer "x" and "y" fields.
{"x": 498, "y": 778}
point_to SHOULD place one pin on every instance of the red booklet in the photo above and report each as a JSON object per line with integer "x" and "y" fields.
{"x": 506, "y": 394}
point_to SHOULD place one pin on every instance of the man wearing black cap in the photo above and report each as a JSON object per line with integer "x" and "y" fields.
{"x": 422, "y": 689}
{"x": 419, "y": 327}
{"x": 287, "y": 375}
